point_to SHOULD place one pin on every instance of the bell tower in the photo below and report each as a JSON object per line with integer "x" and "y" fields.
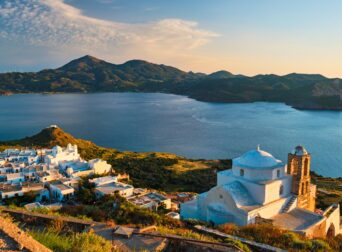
{"x": 298, "y": 165}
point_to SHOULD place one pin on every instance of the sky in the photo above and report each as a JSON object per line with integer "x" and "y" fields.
{"x": 241, "y": 36}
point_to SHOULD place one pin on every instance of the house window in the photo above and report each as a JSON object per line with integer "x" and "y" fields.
{"x": 221, "y": 196}
{"x": 281, "y": 190}
{"x": 278, "y": 173}
{"x": 242, "y": 172}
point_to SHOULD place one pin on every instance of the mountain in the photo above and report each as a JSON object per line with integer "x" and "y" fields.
{"x": 221, "y": 75}
{"x": 90, "y": 74}
{"x": 52, "y": 136}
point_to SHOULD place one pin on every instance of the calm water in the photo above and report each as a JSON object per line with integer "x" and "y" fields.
{"x": 170, "y": 123}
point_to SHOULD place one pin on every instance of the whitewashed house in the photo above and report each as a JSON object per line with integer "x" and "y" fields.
{"x": 60, "y": 191}
{"x": 59, "y": 154}
{"x": 104, "y": 180}
{"x": 151, "y": 200}
{"x": 124, "y": 190}
{"x": 99, "y": 166}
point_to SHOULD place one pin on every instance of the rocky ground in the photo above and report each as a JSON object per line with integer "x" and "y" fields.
{"x": 7, "y": 243}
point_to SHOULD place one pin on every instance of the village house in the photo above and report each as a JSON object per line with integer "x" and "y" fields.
{"x": 59, "y": 154}
{"x": 103, "y": 180}
{"x": 124, "y": 190}
{"x": 16, "y": 190}
{"x": 83, "y": 168}
{"x": 151, "y": 200}
{"x": 260, "y": 188}
{"x": 47, "y": 176}
{"x": 60, "y": 191}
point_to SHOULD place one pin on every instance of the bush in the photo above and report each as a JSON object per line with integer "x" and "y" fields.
{"x": 84, "y": 242}
{"x": 268, "y": 234}
{"x": 229, "y": 228}
{"x": 320, "y": 245}
{"x": 238, "y": 244}
{"x": 28, "y": 197}
{"x": 88, "y": 242}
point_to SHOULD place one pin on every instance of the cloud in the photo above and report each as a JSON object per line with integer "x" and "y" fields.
{"x": 105, "y": 1}
{"x": 63, "y": 31}
{"x": 151, "y": 9}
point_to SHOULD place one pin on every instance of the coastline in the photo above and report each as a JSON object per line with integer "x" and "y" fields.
{"x": 297, "y": 107}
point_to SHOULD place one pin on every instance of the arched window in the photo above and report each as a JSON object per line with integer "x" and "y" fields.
{"x": 242, "y": 172}
{"x": 281, "y": 190}
{"x": 278, "y": 173}
{"x": 307, "y": 186}
{"x": 303, "y": 185}
{"x": 306, "y": 167}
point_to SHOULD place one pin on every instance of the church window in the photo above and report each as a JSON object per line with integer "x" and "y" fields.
{"x": 242, "y": 172}
{"x": 303, "y": 185}
{"x": 278, "y": 173}
{"x": 306, "y": 167}
{"x": 281, "y": 190}
{"x": 307, "y": 187}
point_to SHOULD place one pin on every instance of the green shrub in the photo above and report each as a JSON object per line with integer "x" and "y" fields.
{"x": 88, "y": 242}
{"x": 238, "y": 244}
{"x": 83, "y": 242}
{"x": 320, "y": 245}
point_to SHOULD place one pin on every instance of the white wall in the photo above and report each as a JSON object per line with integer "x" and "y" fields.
{"x": 267, "y": 211}
{"x": 59, "y": 194}
{"x": 272, "y": 189}
{"x": 257, "y": 174}
{"x": 262, "y": 193}
{"x": 12, "y": 194}
{"x": 100, "y": 166}
{"x": 218, "y": 195}
{"x": 334, "y": 218}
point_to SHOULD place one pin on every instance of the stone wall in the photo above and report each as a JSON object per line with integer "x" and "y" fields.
{"x": 37, "y": 219}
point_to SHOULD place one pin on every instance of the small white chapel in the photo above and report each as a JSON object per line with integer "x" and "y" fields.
{"x": 262, "y": 189}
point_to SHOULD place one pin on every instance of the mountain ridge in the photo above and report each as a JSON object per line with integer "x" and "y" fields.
{"x": 89, "y": 74}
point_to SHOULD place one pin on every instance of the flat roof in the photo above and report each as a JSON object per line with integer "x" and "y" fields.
{"x": 112, "y": 187}
{"x": 147, "y": 198}
{"x": 61, "y": 186}
{"x": 102, "y": 180}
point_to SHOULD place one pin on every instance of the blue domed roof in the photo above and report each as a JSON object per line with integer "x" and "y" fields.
{"x": 257, "y": 159}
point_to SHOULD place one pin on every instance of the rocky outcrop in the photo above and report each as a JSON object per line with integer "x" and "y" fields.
{"x": 12, "y": 238}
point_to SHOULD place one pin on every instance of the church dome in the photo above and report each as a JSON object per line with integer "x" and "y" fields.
{"x": 300, "y": 151}
{"x": 257, "y": 159}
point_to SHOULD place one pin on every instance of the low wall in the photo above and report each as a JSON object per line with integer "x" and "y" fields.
{"x": 255, "y": 246}
{"x": 24, "y": 241}
{"x": 37, "y": 219}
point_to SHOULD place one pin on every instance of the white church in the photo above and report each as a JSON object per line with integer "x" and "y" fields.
{"x": 260, "y": 188}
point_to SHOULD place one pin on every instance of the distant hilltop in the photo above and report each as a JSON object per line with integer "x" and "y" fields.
{"x": 89, "y": 74}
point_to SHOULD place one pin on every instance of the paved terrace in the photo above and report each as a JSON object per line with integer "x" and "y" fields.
{"x": 297, "y": 219}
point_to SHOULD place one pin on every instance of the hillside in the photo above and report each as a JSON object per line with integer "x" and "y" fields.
{"x": 162, "y": 171}
{"x": 89, "y": 74}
